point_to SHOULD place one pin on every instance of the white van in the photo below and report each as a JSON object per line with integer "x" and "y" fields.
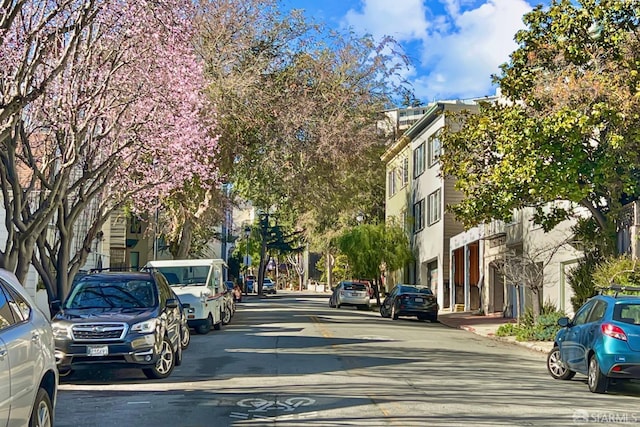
{"x": 199, "y": 285}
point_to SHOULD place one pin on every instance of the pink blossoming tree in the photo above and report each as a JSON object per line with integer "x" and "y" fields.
{"x": 123, "y": 124}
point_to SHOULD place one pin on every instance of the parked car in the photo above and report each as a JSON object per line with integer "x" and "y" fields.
{"x": 28, "y": 374}
{"x": 351, "y": 293}
{"x": 268, "y": 286}
{"x": 198, "y": 285}
{"x": 120, "y": 319}
{"x": 602, "y": 341}
{"x": 407, "y": 300}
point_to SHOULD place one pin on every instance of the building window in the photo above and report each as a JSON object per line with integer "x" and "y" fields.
{"x": 434, "y": 207}
{"x": 405, "y": 171}
{"x": 135, "y": 226}
{"x": 418, "y": 216}
{"x": 391, "y": 177}
{"x": 434, "y": 148}
{"x": 418, "y": 160}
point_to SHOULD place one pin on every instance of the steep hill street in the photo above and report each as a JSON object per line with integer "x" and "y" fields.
{"x": 290, "y": 360}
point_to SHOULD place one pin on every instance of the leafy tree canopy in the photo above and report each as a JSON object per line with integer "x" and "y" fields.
{"x": 298, "y": 107}
{"x": 568, "y": 126}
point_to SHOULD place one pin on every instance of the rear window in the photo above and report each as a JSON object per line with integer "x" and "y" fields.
{"x": 416, "y": 290}
{"x": 355, "y": 287}
{"x": 627, "y": 313}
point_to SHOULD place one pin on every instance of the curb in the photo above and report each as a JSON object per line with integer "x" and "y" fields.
{"x": 535, "y": 346}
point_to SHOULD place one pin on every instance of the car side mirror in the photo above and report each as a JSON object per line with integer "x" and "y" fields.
{"x": 564, "y": 322}
{"x": 172, "y": 303}
{"x": 55, "y": 306}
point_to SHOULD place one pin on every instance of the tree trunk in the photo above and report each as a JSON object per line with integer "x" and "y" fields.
{"x": 184, "y": 246}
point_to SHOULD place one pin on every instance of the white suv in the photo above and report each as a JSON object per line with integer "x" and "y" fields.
{"x": 28, "y": 374}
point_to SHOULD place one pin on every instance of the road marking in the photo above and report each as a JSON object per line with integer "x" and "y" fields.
{"x": 138, "y": 403}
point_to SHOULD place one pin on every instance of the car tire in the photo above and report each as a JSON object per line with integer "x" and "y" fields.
{"x": 596, "y": 380}
{"x": 204, "y": 328}
{"x": 556, "y": 367}
{"x": 226, "y": 316}
{"x": 165, "y": 364}
{"x": 394, "y": 313}
{"x": 42, "y": 412}
{"x": 185, "y": 337}
{"x": 382, "y": 312}
{"x": 434, "y": 319}
{"x": 422, "y": 317}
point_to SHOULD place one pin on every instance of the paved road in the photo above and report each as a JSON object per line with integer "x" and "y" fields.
{"x": 290, "y": 360}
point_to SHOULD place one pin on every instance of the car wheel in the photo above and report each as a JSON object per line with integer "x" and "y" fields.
{"x": 165, "y": 364}
{"x": 42, "y": 412}
{"x": 556, "y": 366}
{"x": 226, "y": 316}
{"x": 382, "y": 312}
{"x": 394, "y": 313}
{"x": 433, "y": 319}
{"x": 596, "y": 379}
{"x": 205, "y": 327}
{"x": 185, "y": 337}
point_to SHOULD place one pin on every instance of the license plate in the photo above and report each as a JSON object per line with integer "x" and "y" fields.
{"x": 419, "y": 300}
{"x": 97, "y": 350}
{"x": 354, "y": 294}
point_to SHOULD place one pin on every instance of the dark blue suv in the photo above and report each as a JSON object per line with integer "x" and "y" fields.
{"x": 602, "y": 341}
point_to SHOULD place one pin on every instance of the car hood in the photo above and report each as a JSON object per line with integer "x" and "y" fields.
{"x": 126, "y": 315}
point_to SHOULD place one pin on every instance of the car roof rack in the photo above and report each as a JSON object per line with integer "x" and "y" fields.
{"x": 113, "y": 269}
{"x": 620, "y": 289}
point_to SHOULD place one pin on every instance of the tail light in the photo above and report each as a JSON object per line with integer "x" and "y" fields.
{"x": 613, "y": 331}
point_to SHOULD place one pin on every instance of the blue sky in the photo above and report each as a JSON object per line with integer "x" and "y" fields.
{"x": 454, "y": 45}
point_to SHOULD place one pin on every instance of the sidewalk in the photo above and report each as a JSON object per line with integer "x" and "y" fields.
{"x": 487, "y": 326}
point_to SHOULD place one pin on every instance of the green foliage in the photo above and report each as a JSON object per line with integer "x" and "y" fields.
{"x": 544, "y": 329}
{"x": 621, "y": 271}
{"x": 570, "y": 130}
{"x": 340, "y": 270}
{"x": 580, "y": 279}
{"x": 367, "y": 246}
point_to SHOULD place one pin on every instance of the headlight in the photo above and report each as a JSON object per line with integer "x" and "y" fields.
{"x": 204, "y": 295}
{"x": 61, "y": 331}
{"x": 146, "y": 327}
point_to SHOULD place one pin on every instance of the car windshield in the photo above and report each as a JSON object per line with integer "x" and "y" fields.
{"x": 183, "y": 275}
{"x": 627, "y": 313}
{"x": 112, "y": 294}
{"x": 355, "y": 286}
{"x": 416, "y": 290}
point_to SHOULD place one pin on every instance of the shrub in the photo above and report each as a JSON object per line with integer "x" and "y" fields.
{"x": 544, "y": 329}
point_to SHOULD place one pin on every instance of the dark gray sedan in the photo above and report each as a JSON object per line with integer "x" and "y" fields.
{"x": 408, "y": 300}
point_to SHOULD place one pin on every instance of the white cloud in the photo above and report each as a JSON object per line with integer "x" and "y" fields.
{"x": 457, "y": 47}
{"x": 402, "y": 19}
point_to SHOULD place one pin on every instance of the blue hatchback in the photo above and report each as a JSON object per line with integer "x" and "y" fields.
{"x": 602, "y": 341}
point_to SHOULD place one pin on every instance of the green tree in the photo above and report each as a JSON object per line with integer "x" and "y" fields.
{"x": 368, "y": 246}
{"x": 298, "y": 108}
{"x": 568, "y": 126}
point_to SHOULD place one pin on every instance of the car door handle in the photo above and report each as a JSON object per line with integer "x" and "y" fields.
{"x": 3, "y": 353}
{"x": 35, "y": 337}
